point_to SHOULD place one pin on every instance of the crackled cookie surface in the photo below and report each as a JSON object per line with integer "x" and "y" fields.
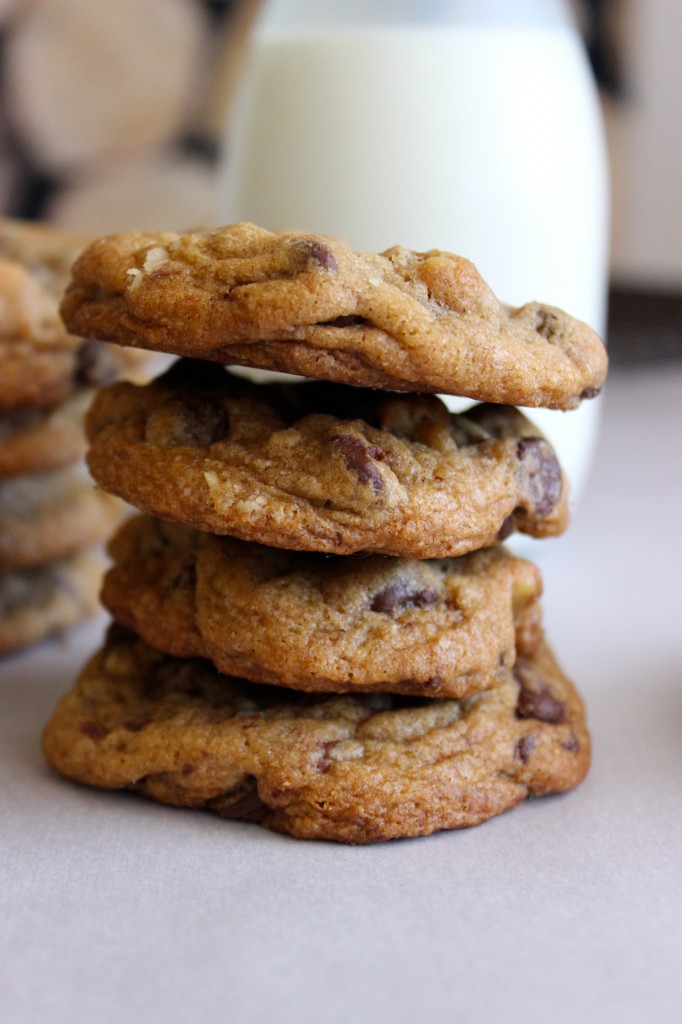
{"x": 36, "y": 603}
{"x": 45, "y": 516}
{"x": 317, "y": 622}
{"x": 354, "y": 768}
{"x": 322, "y": 467}
{"x": 40, "y": 362}
{"x": 301, "y": 303}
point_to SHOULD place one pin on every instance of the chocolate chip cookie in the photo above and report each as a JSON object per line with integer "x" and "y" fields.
{"x": 324, "y": 467}
{"x": 37, "y": 439}
{"x": 324, "y": 623}
{"x": 46, "y": 516}
{"x": 302, "y": 303}
{"x": 352, "y": 768}
{"x": 36, "y": 603}
{"x": 40, "y": 362}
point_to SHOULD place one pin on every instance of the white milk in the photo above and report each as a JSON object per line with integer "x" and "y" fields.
{"x": 481, "y": 140}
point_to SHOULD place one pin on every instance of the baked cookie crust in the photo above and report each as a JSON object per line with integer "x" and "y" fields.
{"x": 303, "y": 303}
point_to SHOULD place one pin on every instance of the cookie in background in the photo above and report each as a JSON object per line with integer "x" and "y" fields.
{"x": 50, "y": 513}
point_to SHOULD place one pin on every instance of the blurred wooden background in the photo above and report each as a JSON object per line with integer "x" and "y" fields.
{"x": 112, "y": 117}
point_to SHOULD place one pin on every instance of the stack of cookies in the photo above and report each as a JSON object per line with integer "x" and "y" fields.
{"x": 316, "y": 625}
{"x": 50, "y": 514}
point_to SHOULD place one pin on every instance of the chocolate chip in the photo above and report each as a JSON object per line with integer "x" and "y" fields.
{"x": 571, "y": 744}
{"x": 538, "y": 702}
{"x": 543, "y": 473}
{"x": 590, "y": 392}
{"x": 321, "y": 255}
{"x": 205, "y": 421}
{"x": 94, "y": 730}
{"x": 242, "y": 803}
{"x": 359, "y": 457}
{"x": 546, "y": 323}
{"x": 401, "y": 595}
{"x": 524, "y": 748}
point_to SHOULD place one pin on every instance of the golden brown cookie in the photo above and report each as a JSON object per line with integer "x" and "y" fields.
{"x": 37, "y": 603}
{"x": 355, "y": 769}
{"x": 306, "y": 304}
{"x": 46, "y": 516}
{"x": 40, "y": 362}
{"x": 324, "y": 467}
{"x": 34, "y": 440}
{"x": 324, "y": 623}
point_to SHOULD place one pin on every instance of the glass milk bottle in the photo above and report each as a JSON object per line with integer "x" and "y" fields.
{"x": 466, "y": 125}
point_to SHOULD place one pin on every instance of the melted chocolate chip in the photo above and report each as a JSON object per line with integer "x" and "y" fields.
{"x": 538, "y": 703}
{"x": 359, "y": 457}
{"x": 543, "y": 473}
{"x": 205, "y": 420}
{"x": 401, "y": 595}
{"x": 321, "y": 255}
{"x": 524, "y": 748}
{"x": 590, "y": 392}
{"x": 571, "y": 744}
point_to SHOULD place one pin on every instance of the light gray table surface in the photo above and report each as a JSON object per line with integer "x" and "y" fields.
{"x": 566, "y": 909}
